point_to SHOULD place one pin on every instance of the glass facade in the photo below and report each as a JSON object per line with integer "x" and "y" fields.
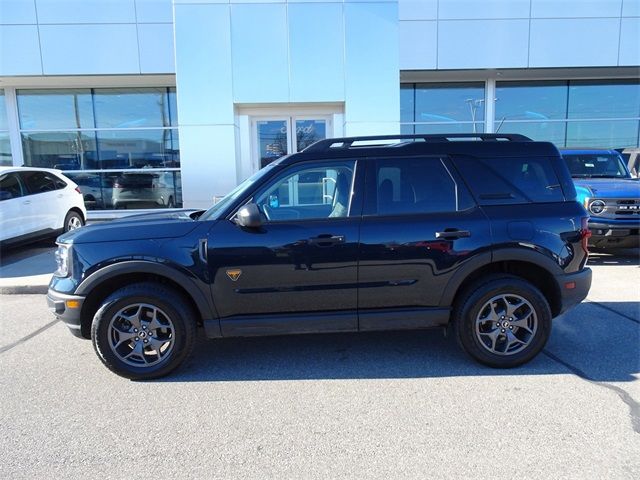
{"x": 5, "y": 145}
{"x": 100, "y": 137}
{"x": 442, "y": 107}
{"x": 571, "y": 113}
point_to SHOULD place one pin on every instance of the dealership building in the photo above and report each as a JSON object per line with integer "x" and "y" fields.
{"x": 181, "y": 100}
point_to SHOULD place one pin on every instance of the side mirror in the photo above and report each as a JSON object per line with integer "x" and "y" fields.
{"x": 249, "y": 216}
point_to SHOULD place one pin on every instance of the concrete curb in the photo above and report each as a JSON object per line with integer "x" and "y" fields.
{"x": 24, "y": 290}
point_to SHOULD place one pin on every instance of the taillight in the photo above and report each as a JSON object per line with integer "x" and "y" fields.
{"x": 77, "y": 189}
{"x": 585, "y": 233}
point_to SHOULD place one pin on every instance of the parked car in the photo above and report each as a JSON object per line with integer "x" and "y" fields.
{"x": 144, "y": 190}
{"x": 37, "y": 203}
{"x": 414, "y": 231}
{"x": 610, "y": 194}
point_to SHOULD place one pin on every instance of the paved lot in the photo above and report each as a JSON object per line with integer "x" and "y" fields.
{"x": 390, "y": 405}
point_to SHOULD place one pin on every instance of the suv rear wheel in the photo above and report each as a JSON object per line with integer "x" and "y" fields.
{"x": 72, "y": 221}
{"x": 143, "y": 331}
{"x": 502, "y": 321}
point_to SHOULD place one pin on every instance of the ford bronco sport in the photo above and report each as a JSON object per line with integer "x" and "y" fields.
{"x": 479, "y": 232}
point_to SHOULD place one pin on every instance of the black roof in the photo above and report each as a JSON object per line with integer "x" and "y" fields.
{"x": 474, "y": 144}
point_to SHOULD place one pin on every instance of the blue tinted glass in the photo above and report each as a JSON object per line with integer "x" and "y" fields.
{"x": 451, "y": 128}
{"x": 3, "y": 112}
{"x": 173, "y": 107}
{"x": 272, "y": 140}
{"x": 606, "y": 134}
{"x": 407, "y": 104}
{"x": 55, "y": 109}
{"x": 309, "y": 131}
{"x": 542, "y": 131}
{"x": 137, "y": 149}
{"x": 407, "y": 129}
{"x": 5, "y": 150}
{"x": 531, "y": 101}
{"x": 131, "y": 107}
{"x": 61, "y": 150}
{"x": 604, "y": 100}
{"x": 439, "y": 102}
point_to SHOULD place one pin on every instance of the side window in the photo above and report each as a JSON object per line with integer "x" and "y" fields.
{"x": 41, "y": 182}
{"x": 414, "y": 186}
{"x": 10, "y": 187}
{"x": 511, "y": 180}
{"x": 318, "y": 190}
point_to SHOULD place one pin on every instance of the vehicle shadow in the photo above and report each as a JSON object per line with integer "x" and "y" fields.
{"x": 581, "y": 343}
{"x": 628, "y": 256}
{"x": 32, "y": 259}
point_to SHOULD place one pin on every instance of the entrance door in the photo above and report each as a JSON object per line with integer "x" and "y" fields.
{"x": 276, "y": 136}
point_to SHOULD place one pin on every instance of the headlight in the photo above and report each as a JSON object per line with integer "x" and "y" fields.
{"x": 597, "y": 207}
{"x": 63, "y": 260}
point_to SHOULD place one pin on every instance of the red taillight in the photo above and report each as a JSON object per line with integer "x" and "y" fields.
{"x": 585, "y": 233}
{"x": 77, "y": 189}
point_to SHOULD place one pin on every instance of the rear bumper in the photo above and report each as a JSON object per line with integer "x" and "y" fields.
{"x": 574, "y": 288}
{"x": 62, "y": 307}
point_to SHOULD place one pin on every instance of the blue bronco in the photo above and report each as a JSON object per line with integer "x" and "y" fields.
{"x": 609, "y": 193}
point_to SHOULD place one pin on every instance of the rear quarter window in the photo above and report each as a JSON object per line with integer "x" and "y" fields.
{"x": 504, "y": 180}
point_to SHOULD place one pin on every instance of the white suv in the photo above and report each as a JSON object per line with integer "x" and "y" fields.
{"x": 37, "y": 202}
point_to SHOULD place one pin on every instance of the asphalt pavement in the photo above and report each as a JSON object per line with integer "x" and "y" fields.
{"x": 376, "y": 405}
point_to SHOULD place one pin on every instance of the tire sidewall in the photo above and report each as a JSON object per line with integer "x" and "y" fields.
{"x": 68, "y": 218}
{"x": 170, "y": 304}
{"x": 469, "y": 310}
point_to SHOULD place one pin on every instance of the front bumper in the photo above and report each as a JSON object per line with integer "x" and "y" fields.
{"x": 574, "y": 288}
{"x": 618, "y": 234}
{"x": 67, "y": 308}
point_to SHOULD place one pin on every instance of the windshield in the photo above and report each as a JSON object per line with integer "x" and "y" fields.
{"x": 596, "y": 165}
{"x": 234, "y": 194}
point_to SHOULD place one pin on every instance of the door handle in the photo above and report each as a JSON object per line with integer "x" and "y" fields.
{"x": 27, "y": 202}
{"x": 326, "y": 240}
{"x": 60, "y": 195}
{"x": 453, "y": 234}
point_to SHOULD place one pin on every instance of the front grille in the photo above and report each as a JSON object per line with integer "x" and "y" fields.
{"x": 620, "y": 208}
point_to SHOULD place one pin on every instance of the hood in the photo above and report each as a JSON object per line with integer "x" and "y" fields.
{"x": 610, "y": 188}
{"x": 136, "y": 227}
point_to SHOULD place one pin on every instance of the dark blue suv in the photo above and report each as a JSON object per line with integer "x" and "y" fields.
{"x": 479, "y": 232}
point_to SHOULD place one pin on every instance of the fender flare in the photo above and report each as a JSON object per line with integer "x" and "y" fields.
{"x": 205, "y": 306}
{"x": 498, "y": 255}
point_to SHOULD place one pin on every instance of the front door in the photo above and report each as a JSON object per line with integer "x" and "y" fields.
{"x": 297, "y": 272}
{"x": 276, "y": 136}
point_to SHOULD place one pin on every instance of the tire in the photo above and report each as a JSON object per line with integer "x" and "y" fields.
{"x": 502, "y": 321}
{"x": 72, "y": 221}
{"x": 143, "y": 348}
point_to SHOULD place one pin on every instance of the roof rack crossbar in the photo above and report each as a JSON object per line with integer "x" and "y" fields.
{"x": 347, "y": 142}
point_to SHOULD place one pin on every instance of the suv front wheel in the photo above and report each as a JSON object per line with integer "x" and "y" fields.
{"x": 502, "y": 322}
{"x": 143, "y": 331}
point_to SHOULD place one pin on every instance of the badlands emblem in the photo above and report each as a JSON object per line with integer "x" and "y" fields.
{"x": 234, "y": 275}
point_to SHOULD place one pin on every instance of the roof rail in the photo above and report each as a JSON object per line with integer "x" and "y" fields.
{"x": 347, "y": 142}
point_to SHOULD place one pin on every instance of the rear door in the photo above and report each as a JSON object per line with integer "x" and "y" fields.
{"x": 419, "y": 225}
{"x": 13, "y": 221}
{"x": 47, "y": 205}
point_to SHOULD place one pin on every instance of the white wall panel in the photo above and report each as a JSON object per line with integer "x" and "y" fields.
{"x": 371, "y": 62}
{"x": 156, "y": 48}
{"x": 85, "y": 11}
{"x": 418, "y": 9}
{"x": 475, "y": 9}
{"x": 204, "y": 81}
{"x": 316, "y": 51}
{"x": 208, "y": 163}
{"x": 631, "y": 8}
{"x": 483, "y": 44}
{"x": 418, "y": 45}
{"x": 89, "y": 49}
{"x": 259, "y": 53}
{"x": 19, "y": 50}
{"x": 574, "y": 42}
{"x": 630, "y": 42}
{"x": 575, "y": 8}
{"x": 154, "y": 11}
{"x": 17, "y": 11}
